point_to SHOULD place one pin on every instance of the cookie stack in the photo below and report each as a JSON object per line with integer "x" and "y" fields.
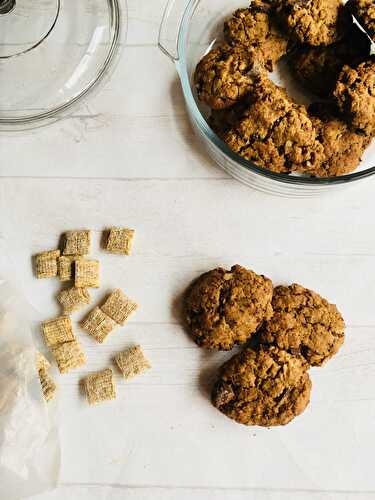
{"x": 327, "y": 52}
{"x": 290, "y": 329}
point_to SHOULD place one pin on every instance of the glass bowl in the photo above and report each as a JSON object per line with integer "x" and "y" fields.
{"x": 188, "y": 30}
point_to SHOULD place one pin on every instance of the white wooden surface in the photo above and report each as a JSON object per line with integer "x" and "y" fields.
{"x": 129, "y": 157}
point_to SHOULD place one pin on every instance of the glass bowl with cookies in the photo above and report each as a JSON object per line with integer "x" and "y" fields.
{"x": 280, "y": 92}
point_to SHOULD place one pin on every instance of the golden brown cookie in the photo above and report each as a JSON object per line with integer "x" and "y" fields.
{"x": 304, "y": 323}
{"x": 364, "y": 11}
{"x": 256, "y": 28}
{"x": 224, "y": 308}
{"x": 318, "y": 68}
{"x": 315, "y": 22}
{"x": 275, "y": 133}
{"x": 355, "y": 95}
{"x": 224, "y": 75}
{"x": 264, "y": 387}
{"x": 343, "y": 148}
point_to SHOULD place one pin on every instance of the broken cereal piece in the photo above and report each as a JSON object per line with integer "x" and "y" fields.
{"x": 87, "y": 273}
{"x": 77, "y": 242}
{"x": 119, "y": 307}
{"x": 132, "y": 362}
{"x": 46, "y": 264}
{"x": 57, "y": 331}
{"x": 73, "y": 299}
{"x": 42, "y": 362}
{"x": 69, "y": 356}
{"x": 98, "y": 324}
{"x": 49, "y": 387}
{"x": 65, "y": 265}
{"x": 100, "y": 386}
{"x": 120, "y": 240}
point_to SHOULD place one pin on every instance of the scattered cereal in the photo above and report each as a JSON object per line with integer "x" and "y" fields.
{"x": 57, "y": 331}
{"x": 100, "y": 386}
{"x": 49, "y": 387}
{"x": 119, "y": 307}
{"x": 46, "y": 264}
{"x": 120, "y": 240}
{"x": 132, "y": 362}
{"x": 87, "y": 273}
{"x": 98, "y": 324}
{"x": 65, "y": 266}
{"x": 42, "y": 362}
{"x": 73, "y": 299}
{"x": 69, "y": 356}
{"x": 77, "y": 242}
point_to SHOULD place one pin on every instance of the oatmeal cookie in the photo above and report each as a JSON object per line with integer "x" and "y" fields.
{"x": 364, "y": 11}
{"x": 264, "y": 387}
{"x": 318, "y": 68}
{"x": 314, "y": 22}
{"x": 343, "y": 148}
{"x": 355, "y": 95}
{"x": 256, "y": 28}
{"x": 304, "y": 323}
{"x": 224, "y": 308}
{"x": 275, "y": 133}
{"x": 224, "y": 75}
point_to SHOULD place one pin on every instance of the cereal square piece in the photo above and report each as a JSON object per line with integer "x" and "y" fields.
{"x": 73, "y": 299}
{"x": 120, "y": 240}
{"x": 100, "y": 386}
{"x": 77, "y": 242}
{"x": 69, "y": 356}
{"x": 57, "y": 331}
{"x": 98, "y": 324}
{"x": 65, "y": 265}
{"x": 49, "y": 387}
{"x": 132, "y": 362}
{"x": 46, "y": 264}
{"x": 119, "y": 307}
{"x": 42, "y": 363}
{"x": 87, "y": 273}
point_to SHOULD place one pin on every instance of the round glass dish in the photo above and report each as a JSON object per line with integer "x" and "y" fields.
{"x": 188, "y": 30}
{"x": 53, "y": 53}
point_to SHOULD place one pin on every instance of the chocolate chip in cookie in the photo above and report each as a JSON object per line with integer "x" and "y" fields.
{"x": 256, "y": 27}
{"x": 224, "y": 308}
{"x": 224, "y": 75}
{"x": 304, "y": 323}
{"x": 343, "y": 147}
{"x": 264, "y": 387}
{"x": 355, "y": 95}
{"x": 275, "y": 133}
{"x": 314, "y": 22}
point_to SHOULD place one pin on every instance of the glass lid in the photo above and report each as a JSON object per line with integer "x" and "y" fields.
{"x": 52, "y": 54}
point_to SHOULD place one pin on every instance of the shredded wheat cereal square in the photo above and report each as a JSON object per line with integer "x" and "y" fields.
{"x": 77, "y": 242}
{"x": 120, "y": 240}
{"x": 42, "y": 362}
{"x": 49, "y": 387}
{"x": 65, "y": 265}
{"x": 46, "y": 264}
{"x": 87, "y": 273}
{"x": 73, "y": 299}
{"x": 98, "y": 324}
{"x": 57, "y": 331}
{"x": 100, "y": 386}
{"x": 132, "y": 362}
{"x": 69, "y": 356}
{"x": 119, "y": 307}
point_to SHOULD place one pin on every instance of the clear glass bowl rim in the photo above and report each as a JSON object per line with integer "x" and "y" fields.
{"x": 181, "y": 65}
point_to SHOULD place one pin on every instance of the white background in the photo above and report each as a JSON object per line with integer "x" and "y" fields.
{"x": 128, "y": 157}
